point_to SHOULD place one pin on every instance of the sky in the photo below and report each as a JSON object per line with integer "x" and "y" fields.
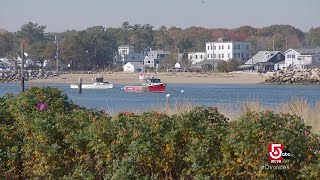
{"x": 62, "y": 15}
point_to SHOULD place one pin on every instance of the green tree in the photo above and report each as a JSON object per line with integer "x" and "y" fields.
{"x": 125, "y": 33}
{"x": 228, "y": 66}
{"x": 32, "y": 32}
{"x": 314, "y": 36}
{"x": 162, "y": 39}
{"x": 6, "y": 42}
{"x": 72, "y": 51}
{"x": 184, "y": 44}
{"x": 168, "y": 62}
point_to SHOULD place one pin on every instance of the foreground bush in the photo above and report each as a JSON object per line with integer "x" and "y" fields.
{"x": 43, "y": 135}
{"x": 246, "y": 148}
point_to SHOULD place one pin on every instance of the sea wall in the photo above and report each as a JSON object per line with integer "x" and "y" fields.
{"x": 15, "y": 76}
{"x": 294, "y": 76}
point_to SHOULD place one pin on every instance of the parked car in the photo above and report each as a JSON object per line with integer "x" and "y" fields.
{"x": 174, "y": 70}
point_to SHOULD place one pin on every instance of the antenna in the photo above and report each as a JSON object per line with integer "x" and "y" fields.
{"x": 272, "y": 44}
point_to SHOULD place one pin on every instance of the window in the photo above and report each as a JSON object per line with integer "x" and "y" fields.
{"x": 239, "y": 55}
{"x": 208, "y": 55}
{"x": 222, "y": 55}
{"x": 211, "y": 47}
{"x": 278, "y": 57}
{"x": 228, "y": 46}
{"x": 219, "y": 47}
{"x": 234, "y": 55}
{"x": 242, "y": 55}
{"x": 222, "y": 46}
{"x": 228, "y": 54}
{"x": 238, "y": 46}
{"x": 211, "y": 56}
{"x": 133, "y": 57}
{"x": 219, "y": 56}
{"x": 214, "y": 47}
{"x": 235, "y": 47}
{"x": 200, "y": 56}
{"x": 208, "y": 47}
{"x": 196, "y": 56}
{"x": 148, "y": 61}
{"x": 214, "y": 55}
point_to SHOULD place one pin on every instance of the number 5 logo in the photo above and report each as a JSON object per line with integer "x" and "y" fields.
{"x": 275, "y": 152}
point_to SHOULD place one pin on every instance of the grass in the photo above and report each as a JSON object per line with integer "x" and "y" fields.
{"x": 300, "y": 107}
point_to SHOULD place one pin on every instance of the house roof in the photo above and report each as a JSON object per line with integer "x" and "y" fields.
{"x": 245, "y": 66}
{"x": 125, "y": 46}
{"x": 281, "y": 62}
{"x": 304, "y": 51}
{"x": 136, "y": 64}
{"x": 159, "y": 52}
{"x": 261, "y": 57}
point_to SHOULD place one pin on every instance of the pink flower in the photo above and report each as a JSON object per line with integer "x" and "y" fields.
{"x": 42, "y": 107}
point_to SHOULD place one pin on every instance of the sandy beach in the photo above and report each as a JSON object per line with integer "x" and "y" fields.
{"x": 166, "y": 77}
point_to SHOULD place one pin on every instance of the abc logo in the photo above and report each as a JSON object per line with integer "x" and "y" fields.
{"x": 286, "y": 154}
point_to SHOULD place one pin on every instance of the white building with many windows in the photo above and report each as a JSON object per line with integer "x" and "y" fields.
{"x": 196, "y": 57}
{"x": 225, "y": 49}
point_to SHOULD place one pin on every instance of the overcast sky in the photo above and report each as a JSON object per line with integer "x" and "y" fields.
{"x": 61, "y": 15}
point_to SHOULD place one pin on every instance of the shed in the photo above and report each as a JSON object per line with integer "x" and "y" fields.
{"x": 133, "y": 67}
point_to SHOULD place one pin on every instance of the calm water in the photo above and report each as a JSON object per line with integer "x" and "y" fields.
{"x": 117, "y": 99}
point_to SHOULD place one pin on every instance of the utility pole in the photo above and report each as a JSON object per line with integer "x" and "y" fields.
{"x": 273, "y": 44}
{"x": 22, "y": 66}
{"x": 57, "y": 53}
{"x": 212, "y": 56}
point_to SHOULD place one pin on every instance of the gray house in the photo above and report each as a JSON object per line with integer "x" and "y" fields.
{"x": 263, "y": 61}
{"x": 154, "y": 57}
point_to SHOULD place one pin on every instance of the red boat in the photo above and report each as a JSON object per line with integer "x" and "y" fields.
{"x": 151, "y": 85}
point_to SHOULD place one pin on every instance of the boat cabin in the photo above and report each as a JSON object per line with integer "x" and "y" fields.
{"x": 98, "y": 79}
{"x": 154, "y": 80}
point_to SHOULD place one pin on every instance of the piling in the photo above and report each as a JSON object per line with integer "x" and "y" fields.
{"x": 80, "y": 85}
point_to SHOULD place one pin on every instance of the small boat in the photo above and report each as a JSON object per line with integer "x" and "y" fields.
{"x": 150, "y": 85}
{"x": 97, "y": 84}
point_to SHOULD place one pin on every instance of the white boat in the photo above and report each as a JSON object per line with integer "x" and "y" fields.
{"x": 97, "y": 84}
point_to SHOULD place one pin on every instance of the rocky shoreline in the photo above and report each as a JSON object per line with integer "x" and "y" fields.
{"x": 295, "y": 77}
{"x": 15, "y": 76}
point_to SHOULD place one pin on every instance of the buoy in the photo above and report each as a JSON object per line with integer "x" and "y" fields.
{"x": 182, "y": 90}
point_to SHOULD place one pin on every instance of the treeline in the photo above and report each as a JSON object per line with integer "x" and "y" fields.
{"x": 96, "y": 46}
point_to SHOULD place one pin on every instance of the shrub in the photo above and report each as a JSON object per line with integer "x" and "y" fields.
{"x": 246, "y": 146}
{"x": 43, "y": 135}
{"x": 159, "y": 146}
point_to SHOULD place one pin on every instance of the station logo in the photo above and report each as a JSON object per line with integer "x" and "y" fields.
{"x": 277, "y": 153}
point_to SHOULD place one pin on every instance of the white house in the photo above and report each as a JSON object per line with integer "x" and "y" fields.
{"x": 125, "y": 49}
{"x": 133, "y": 67}
{"x": 196, "y": 57}
{"x": 302, "y": 58}
{"x": 225, "y": 49}
{"x": 154, "y": 57}
{"x": 126, "y": 54}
